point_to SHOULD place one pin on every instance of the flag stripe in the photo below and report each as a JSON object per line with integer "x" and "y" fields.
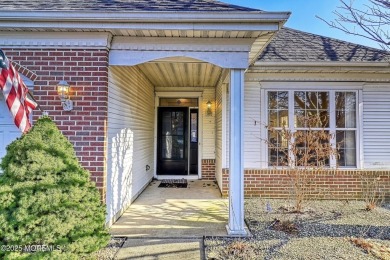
{"x": 15, "y": 94}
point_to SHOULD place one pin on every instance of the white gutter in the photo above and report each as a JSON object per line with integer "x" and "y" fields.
{"x": 144, "y": 17}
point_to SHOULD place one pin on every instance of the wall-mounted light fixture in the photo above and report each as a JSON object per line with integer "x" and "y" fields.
{"x": 209, "y": 112}
{"x": 63, "y": 89}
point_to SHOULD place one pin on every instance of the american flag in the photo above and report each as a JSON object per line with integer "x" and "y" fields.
{"x": 15, "y": 94}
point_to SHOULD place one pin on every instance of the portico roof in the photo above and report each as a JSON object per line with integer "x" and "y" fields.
{"x": 59, "y": 23}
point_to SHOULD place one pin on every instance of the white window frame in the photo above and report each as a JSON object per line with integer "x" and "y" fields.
{"x": 319, "y": 87}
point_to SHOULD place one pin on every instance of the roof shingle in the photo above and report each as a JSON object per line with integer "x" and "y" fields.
{"x": 291, "y": 45}
{"x": 122, "y": 5}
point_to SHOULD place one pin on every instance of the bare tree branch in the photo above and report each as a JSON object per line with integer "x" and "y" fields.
{"x": 372, "y": 21}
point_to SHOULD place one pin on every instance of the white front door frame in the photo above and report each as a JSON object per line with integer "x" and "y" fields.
{"x": 183, "y": 94}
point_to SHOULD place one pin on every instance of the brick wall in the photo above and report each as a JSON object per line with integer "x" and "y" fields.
{"x": 208, "y": 169}
{"x": 86, "y": 70}
{"x": 342, "y": 184}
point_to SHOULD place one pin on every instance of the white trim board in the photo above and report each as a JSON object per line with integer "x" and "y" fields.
{"x": 280, "y": 85}
{"x": 192, "y": 94}
{"x": 55, "y": 39}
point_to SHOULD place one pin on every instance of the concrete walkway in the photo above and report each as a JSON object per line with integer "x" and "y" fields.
{"x": 169, "y": 223}
{"x": 162, "y": 248}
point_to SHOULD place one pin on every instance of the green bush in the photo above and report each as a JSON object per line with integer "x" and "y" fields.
{"x": 47, "y": 198}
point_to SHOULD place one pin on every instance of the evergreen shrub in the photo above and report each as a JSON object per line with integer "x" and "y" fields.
{"x": 48, "y": 200}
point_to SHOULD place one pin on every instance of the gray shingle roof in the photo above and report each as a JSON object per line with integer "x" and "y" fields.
{"x": 121, "y": 5}
{"x": 291, "y": 45}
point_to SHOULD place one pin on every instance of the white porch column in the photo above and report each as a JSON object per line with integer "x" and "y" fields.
{"x": 236, "y": 170}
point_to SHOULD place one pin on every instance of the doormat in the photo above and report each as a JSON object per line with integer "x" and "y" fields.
{"x": 177, "y": 183}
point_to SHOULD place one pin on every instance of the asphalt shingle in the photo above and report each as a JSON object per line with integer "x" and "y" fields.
{"x": 291, "y": 45}
{"x": 122, "y": 5}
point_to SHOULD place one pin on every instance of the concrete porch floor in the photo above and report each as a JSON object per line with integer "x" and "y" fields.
{"x": 191, "y": 212}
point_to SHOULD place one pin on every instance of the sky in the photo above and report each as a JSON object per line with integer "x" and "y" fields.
{"x": 304, "y": 13}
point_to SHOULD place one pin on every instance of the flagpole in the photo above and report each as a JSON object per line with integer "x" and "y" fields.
{"x": 44, "y": 113}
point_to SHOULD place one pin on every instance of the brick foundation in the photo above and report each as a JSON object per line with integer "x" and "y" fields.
{"x": 86, "y": 70}
{"x": 208, "y": 169}
{"x": 273, "y": 183}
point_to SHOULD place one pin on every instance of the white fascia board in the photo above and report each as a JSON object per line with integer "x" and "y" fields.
{"x": 228, "y": 60}
{"x": 146, "y": 16}
{"x": 182, "y": 44}
{"x": 321, "y": 64}
{"x": 64, "y": 39}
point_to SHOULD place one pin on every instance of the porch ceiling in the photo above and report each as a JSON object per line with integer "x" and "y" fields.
{"x": 182, "y": 74}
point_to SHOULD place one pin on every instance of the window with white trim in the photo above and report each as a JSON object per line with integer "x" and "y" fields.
{"x": 336, "y": 111}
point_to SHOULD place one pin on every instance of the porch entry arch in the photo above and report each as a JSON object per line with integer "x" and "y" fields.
{"x": 234, "y": 58}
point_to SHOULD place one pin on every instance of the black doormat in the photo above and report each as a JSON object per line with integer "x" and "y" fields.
{"x": 176, "y": 183}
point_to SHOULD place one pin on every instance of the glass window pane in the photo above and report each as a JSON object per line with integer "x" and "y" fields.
{"x": 178, "y": 102}
{"x": 177, "y": 147}
{"x": 340, "y": 119}
{"x": 166, "y": 152}
{"x": 346, "y": 143}
{"x": 350, "y": 108}
{"x": 282, "y": 100}
{"x": 299, "y": 118}
{"x": 323, "y": 100}
{"x": 311, "y": 109}
{"x": 299, "y": 100}
{"x": 345, "y": 109}
{"x": 283, "y": 118}
{"x": 273, "y": 118}
{"x": 272, "y": 100}
{"x": 166, "y": 123}
{"x": 177, "y": 123}
{"x": 277, "y": 149}
{"x": 278, "y": 108}
{"x": 312, "y": 148}
{"x": 323, "y": 118}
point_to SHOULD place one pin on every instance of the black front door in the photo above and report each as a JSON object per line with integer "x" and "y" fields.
{"x": 172, "y": 152}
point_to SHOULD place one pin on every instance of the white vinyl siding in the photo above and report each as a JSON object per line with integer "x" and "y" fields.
{"x": 227, "y": 127}
{"x": 252, "y": 124}
{"x": 376, "y": 127}
{"x": 208, "y": 124}
{"x": 130, "y": 137}
{"x": 218, "y": 136}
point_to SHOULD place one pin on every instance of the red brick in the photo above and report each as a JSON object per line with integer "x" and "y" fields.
{"x": 73, "y": 65}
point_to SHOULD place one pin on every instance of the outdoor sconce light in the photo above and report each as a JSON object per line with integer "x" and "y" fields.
{"x": 209, "y": 112}
{"x": 63, "y": 89}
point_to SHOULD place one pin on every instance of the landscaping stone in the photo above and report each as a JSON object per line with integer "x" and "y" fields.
{"x": 324, "y": 230}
